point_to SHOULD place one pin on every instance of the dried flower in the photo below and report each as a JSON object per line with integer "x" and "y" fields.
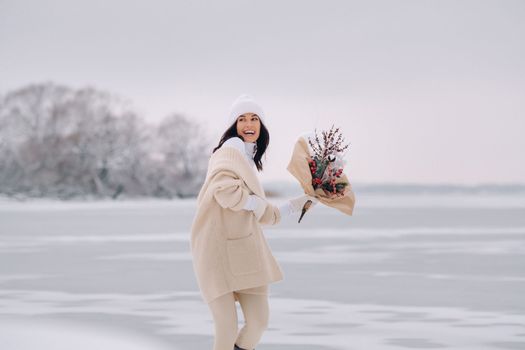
{"x": 326, "y": 164}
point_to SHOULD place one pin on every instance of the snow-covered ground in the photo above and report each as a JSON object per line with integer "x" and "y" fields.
{"x": 406, "y": 271}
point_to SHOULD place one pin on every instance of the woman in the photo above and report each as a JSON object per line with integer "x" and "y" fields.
{"x": 231, "y": 258}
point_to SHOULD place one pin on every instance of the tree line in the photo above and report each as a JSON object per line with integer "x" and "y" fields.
{"x": 61, "y": 142}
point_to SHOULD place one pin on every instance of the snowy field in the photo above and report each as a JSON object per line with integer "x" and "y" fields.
{"x": 405, "y": 272}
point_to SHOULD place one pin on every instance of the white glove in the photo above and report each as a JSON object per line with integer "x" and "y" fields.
{"x": 295, "y": 205}
{"x": 255, "y": 204}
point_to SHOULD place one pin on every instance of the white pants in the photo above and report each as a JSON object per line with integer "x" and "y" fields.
{"x": 254, "y": 305}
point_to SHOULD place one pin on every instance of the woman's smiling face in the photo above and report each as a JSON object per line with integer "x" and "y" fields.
{"x": 248, "y": 127}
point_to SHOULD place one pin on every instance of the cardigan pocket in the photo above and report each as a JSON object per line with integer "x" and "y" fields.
{"x": 243, "y": 255}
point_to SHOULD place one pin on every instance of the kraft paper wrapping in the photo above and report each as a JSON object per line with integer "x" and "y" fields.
{"x": 300, "y": 169}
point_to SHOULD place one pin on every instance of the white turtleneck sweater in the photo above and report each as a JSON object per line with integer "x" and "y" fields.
{"x": 248, "y": 148}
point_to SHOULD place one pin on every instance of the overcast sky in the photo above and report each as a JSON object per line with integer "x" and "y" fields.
{"x": 425, "y": 91}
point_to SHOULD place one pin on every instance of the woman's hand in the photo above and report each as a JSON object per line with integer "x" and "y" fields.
{"x": 298, "y": 202}
{"x": 290, "y": 207}
{"x": 295, "y": 205}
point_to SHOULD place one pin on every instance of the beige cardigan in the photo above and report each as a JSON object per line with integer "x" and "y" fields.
{"x": 228, "y": 247}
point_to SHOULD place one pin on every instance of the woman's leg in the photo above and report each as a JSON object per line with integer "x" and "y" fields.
{"x": 256, "y": 313}
{"x": 224, "y": 313}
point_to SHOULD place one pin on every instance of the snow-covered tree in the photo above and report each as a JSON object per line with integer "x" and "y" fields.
{"x": 182, "y": 146}
{"x": 65, "y": 142}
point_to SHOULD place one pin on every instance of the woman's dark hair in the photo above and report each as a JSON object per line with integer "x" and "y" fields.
{"x": 262, "y": 142}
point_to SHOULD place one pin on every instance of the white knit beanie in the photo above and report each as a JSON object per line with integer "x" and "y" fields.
{"x": 245, "y": 104}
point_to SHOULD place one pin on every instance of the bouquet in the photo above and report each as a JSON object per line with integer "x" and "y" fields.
{"x": 318, "y": 166}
